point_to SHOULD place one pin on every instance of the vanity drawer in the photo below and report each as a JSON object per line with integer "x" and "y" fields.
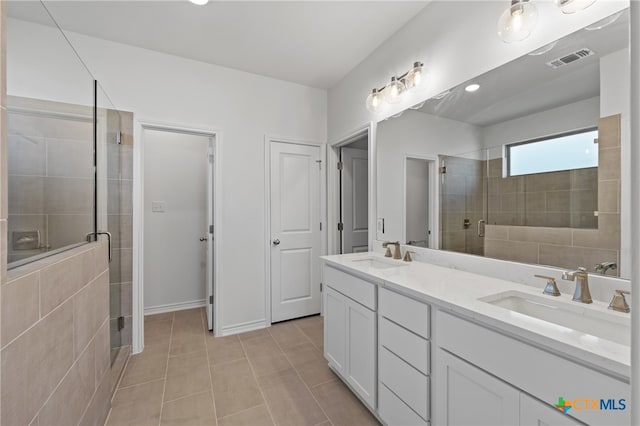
{"x": 395, "y": 412}
{"x": 408, "y": 346}
{"x": 409, "y": 313}
{"x": 351, "y": 286}
{"x": 411, "y": 386}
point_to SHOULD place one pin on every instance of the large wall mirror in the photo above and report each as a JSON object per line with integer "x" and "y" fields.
{"x": 523, "y": 163}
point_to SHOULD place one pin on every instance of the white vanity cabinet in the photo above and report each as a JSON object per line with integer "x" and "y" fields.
{"x": 350, "y": 331}
{"x": 473, "y": 397}
{"x": 535, "y": 413}
{"x": 488, "y": 375}
{"x": 403, "y": 359}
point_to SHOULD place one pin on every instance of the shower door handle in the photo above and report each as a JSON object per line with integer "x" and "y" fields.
{"x": 481, "y": 224}
{"x": 93, "y": 236}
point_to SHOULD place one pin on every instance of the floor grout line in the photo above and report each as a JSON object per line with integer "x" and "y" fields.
{"x": 141, "y": 383}
{"x": 300, "y": 377}
{"x": 166, "y": 370}
{"x": 243, "y": 410}
{"x": 206, "y": 351}
{"x": 255, "y": 377}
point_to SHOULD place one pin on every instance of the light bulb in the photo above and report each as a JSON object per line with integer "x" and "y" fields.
{"x": 375, "y": 101}
{"x": 394, "y": 91}
{"x": 573, "y": 6}
{"x": 416, "y": 76}
{"x": 517, "y": 22}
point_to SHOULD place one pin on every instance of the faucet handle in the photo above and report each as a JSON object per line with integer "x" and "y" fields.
{"x": 551, "y": 288}
{"x": 619, "y": 303}
{"x": 407, "y": 256}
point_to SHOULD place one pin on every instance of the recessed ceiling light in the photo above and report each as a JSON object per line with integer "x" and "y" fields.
{"x": 472, "y": 87}
{"x": 199, "y": 2}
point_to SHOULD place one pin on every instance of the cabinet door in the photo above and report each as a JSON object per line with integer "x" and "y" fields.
{"x": 535, "y": 413}
{"x": 469, "y": 396}
{"x": 361, "y": 351}
{"x": 335, "y": 330}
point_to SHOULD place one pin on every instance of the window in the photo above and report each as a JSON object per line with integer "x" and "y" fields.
{"x": 561, "y": 152}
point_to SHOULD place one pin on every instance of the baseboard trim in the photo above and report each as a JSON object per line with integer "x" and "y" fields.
{"x": 171, "y": 307}
{"x": 243, "y": 327}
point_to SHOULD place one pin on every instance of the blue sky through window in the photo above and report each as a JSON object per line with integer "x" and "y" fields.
{"x": 568, "y": 152}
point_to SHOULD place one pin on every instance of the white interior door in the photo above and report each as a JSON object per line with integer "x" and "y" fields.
{"x": 355, "y": 200}
{"x": 175, "y": 220}
{"x": 295, "y": 230}
{"x": 209, "y": 231}
{"x": 417, "y": 202}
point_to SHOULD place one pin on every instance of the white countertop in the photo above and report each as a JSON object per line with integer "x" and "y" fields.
{"x": 459, "y": 291}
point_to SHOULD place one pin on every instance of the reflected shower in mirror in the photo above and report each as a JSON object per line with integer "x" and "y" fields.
{"x": 539, "y": 180}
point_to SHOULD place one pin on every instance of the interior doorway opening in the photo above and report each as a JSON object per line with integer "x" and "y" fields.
{"x": 420, "y": 218}
{"x": 178, "y": 205}
{"x": 353, "y": 178}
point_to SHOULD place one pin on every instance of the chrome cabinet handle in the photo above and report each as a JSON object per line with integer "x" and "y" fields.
{"x": 276, "y": 242}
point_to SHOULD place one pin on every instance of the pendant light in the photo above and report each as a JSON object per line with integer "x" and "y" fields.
{"x": 375, "y": 101}
{"x": 517, "y": 22}
{"x": 573, "y": 6}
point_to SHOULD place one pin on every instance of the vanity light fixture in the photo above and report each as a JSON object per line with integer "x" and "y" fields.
{"x": 375, "y": 101}
{"x": 472, "y": 87}
{"x": 520, "y": 18}
{"x": 517, "y": 22}
{"x": 393, "y": 92}
{"x": 199, "y": 2}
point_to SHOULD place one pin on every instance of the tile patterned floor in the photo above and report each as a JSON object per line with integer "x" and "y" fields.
{"x": 274, "y": 376}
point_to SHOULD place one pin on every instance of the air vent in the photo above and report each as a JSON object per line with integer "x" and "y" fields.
{"x": 570, "y": 58}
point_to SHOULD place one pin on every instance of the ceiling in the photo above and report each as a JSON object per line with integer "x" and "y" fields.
{"x": 314, "y": 43}
{"x": 528, "y": 85}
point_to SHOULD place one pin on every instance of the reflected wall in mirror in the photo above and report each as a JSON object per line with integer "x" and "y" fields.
{"x": 540, "y": 178}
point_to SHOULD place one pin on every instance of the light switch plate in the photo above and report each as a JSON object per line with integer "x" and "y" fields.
{"x": 158, "y": 206}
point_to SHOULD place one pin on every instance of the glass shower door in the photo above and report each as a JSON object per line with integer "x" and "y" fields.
{"x": 115, "y": 185}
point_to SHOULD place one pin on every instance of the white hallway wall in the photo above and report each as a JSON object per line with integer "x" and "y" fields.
{"x": 168, "y": 89}
{"x": 457, "y": 41}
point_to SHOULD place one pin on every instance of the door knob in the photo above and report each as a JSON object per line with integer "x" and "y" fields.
{"x": 203, "y": 239}
{"x": 276, "y": 242}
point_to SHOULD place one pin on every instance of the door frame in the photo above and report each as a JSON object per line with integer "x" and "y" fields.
{"x": 138, "y": 221}
{"x": 333, "y": 184}
{"x": 268, "y": 140}
{"x": 434, "y": 198}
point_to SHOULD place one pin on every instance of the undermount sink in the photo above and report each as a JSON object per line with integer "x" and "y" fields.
{"x": 569, "y": 315}
{"x": 378, "y": 263}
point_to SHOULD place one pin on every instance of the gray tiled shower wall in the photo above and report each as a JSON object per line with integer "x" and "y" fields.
{"x": 50, "y": 181}
{"x": 51, "y": 189}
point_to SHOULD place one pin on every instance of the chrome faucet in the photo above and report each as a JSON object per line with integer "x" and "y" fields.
{"x": 396, "y": 252}
{"x": 580, "y": 276}
{"x": 603, "y": 267}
